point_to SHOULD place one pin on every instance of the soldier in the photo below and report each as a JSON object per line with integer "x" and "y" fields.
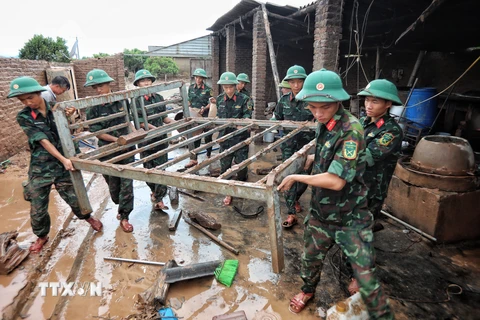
{"x": 121, "y": 189}
{"x": 143, "y": 78}
{"x": 284, "y": 87}
{"x": 48, "y": 165}
{"x": 232, "y": 104}
{"x": 383, "y": 137}
{"x": 242, "y": 79}
{"x": 288, "y": 108}
{"x": 198, "y": 95}
{"x": 58, "y": 86}
{"x": 338, "y": 209}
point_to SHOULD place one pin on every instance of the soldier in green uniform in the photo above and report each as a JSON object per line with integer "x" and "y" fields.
{"x": 338, "y": 209}
{"x": 288, "y": 108}
{"x": 143, "y": 78}
{"x": 383, "y": 137}
{"x": 243, "y": 79}
{"x": 284, "y": 87}
{"x": 48, "y": 165}
{"x": 233, "y": 104}
{"x": 198, "y": 98}
{"x": 121, "y": 189}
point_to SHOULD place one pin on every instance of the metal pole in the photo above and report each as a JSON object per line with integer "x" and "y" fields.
{"x": 135, "y": 261}
{"x": 409, "y": 226}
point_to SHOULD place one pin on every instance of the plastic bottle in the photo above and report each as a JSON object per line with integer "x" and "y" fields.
{"x": 352, "y": 308}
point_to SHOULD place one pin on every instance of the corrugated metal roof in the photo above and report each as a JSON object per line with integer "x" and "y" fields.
{"x": 246, "y": 6}
{"x": 198, "y": 47}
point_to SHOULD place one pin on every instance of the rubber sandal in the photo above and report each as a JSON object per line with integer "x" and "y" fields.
{"x": 298, "y": 207}
{"x": 95, "y": 223}
{"x": 290, "y": 221}
{"x": 227, "y": 201}
{"x": 353, "y": 286}
{"x": 191, "y": 164}
{"x": 37, "y": 246}
{"x": 126, "y": 226}
{"x": 299, "y": 302}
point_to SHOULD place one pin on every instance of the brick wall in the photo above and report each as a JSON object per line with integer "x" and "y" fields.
{"x": 215, "y": 63}
{"x": 259, "y": 66}
{"x": 112, "y": 65}
{"x": 243, "y": 62}
{"x": 12, "y": 138}
{"x": 328, "y": 32}
{"x": 231, "y": 49}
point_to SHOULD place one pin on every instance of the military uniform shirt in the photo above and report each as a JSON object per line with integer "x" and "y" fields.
{"x": 384, "y": 142}
{"x": 157, "y": 122}
{"x": 37, "y": 128}
{"x": 245, "y": 92}
{"x": 239, "y": 106}
{"x": 103, "y": 111}
{"x": 340, "y": 150}
{"x": 198, "y": 96}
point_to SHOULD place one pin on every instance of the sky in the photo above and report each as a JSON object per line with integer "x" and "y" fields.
{"x": 111, "y": 26}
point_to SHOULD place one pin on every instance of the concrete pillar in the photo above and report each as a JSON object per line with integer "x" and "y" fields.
{"x": 328, "y": 32}
{"x": 259, "y": 65}
{"x": 215, "y": 63}
{"x": 231, "y": 48}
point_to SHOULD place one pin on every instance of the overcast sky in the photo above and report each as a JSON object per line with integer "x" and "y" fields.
{"x": 110, "y": 27}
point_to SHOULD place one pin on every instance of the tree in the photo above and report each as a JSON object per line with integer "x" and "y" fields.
{"x": 133, "y": 63}
{"x": 41, "y": 48}
{"x": 101, "y": 55}
{"x": 161, "y": 65}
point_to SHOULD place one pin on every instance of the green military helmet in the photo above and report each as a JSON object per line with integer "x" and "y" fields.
{"x": 24, "y": 85}
{"x": 243, "y": 77}
{"x": 142, "y": 74}
{"x": 383, "y": 89}
{"x": 200, "y": 73}
{"x": 284, "y": 84}
{"x": 295, "y": 72}
{"x": 323, "y": 86}
{"x": 228, "y": 78}
{"x": 97, "y": 76}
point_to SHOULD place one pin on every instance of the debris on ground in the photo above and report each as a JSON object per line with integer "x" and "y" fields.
{"x": 204, "y": 220}
{"x": 11, "y": 255}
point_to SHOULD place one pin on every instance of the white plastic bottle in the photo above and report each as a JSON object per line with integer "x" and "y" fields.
{"x": 352, "y": 308}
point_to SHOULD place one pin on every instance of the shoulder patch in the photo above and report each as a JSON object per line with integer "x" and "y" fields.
{"x": 350, "y": 149}
{"x": 386, "y": 139}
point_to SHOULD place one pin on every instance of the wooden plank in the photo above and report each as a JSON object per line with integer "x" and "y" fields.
{"x": 274, "y": 219}
{"x": 271, "y": 50}
{"x": 69, "y": 152}
{"x": 172, "y": 226}
{"x": 132, "y": 137}
{"x": 157, "y": 294}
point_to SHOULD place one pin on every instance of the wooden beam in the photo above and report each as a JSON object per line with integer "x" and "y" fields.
{"x": 289, "y": 20}
{"x": 271, "y": 50}
{"x": 428, "y": 11}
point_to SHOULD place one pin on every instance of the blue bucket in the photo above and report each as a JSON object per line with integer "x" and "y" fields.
{"x": 424, "y": 113}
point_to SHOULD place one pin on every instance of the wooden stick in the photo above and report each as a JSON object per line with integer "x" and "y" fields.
{"x": 157, "y": 293}
{"x": 191, "y": 195}
{"x": 174, "y": 221}
{"x": 271, "y": 50}
{"x": 134, "y": 136}
{"x": 211, "y": 235}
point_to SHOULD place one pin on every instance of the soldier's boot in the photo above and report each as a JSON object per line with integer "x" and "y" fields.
{"x": 298, "y": 207}
{"x": 299, "y": 301}
{"x": 126, "y": 226}
{"x": 96, "y": 224}
{"x": 37, "y": 246}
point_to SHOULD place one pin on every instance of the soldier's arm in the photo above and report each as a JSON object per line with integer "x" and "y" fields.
{"x": 247, "y": 109}
{"x": 278, "y": 111}
{"x": 388, "y": 142}
{"x": 54, "y": 152}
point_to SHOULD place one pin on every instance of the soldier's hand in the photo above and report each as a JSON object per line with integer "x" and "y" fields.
{"x": 69, "y": 111}
{"x": 212, "y": 100}
{"x": 287, "y": 183}
{"x": 68, "y": 165}
{"x": 202, "y": 109}
{"x": 309, "y": 161}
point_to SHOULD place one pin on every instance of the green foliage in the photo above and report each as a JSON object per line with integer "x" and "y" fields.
{"x": 101, "y": 55}
{"x": 41, "y": 48}
{"x": 161, "y": 65}
{"x": 133, "y": 63}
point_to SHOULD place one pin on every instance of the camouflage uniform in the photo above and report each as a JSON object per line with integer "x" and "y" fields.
{"x": 245, "y": 92}
{"x": 158, "y": 190}
{"x": 239, "y": 107}
{"x": 342, "y": 217}
{"x": 197, "y": 98}
{"x": 290, "y": 109}
{"x": 45, "y": 170}
{"x": 121, "y": 189}
{"x": 384, "y": 142}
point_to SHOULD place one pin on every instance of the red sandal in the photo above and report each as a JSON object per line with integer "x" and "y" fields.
{"x": 298, "y": 207}
{"x": 299, "y": 302}
{"x": 37, "y": 246}
{"x": 290, "y": 222}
